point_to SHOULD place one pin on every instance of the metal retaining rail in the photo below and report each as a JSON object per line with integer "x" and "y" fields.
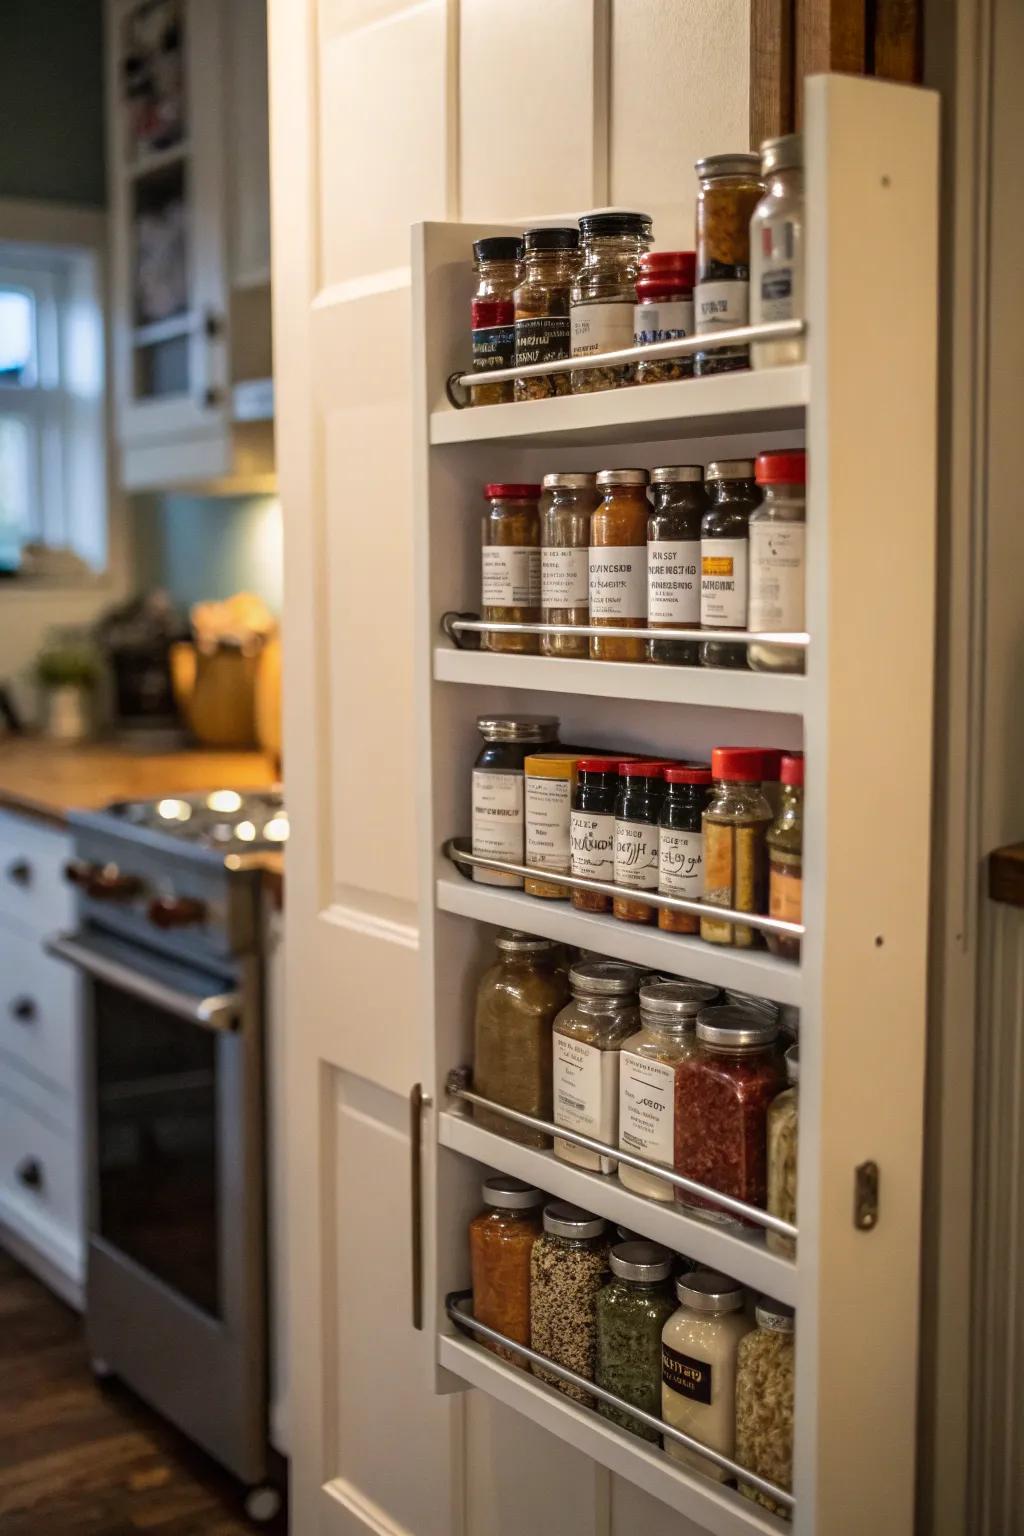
{"x": 456, "y": 624}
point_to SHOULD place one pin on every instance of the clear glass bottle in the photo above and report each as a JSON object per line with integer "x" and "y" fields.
{"x": 585, "y": 1045}
{"x": 510, "y": 565}
{"x": 632, "y": 1310}
{"x": 497, "y": 262}
{"x": 568, "y": 1267}
{"x": 782, "y": 1151}
{"x": 664, "y": 312}
{"x": 725, "y": 556}
{"x": 785, "y": 840}
{"x": 567, "y": 504}
{"x": 517, "y": 1001}
{"x": 736, "y": 821}
{"x": 498, "y": 800}
{"x": 618, "y": 563}
{"x": 730, "y": 187}
{"x": 679, "y": 502}
{"x": 765, "y": 1364}
{"x": 647, "y": 1075}
{"x": 698, "y": 1367}
{"x": 501, "y": 1240}
{"x": 604, "y": 292}
{"x": 541, "y": 299}
{"x": 777, "y": 249}
{"x": 777, "y": 559}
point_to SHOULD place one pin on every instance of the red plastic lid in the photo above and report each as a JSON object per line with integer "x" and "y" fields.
{"x": 498, "y": 492}
{"x": 688, "y": 773}
{"x": 598, "y": 764}
{"x": 771, "y": 764}
{"x": 666, "y": 272}
{"x": 643, "y": 770}
{"x": 789, "y": 468}
{"x": 738, "y": 764}
{"x": 792, "y": 770}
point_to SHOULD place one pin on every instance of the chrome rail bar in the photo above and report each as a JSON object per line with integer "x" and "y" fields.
{"x": 454, "y": 624}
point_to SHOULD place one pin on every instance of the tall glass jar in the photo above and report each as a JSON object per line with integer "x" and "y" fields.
{"x": 568, "y": 1266}
{"x": 722, "y": 1096}
{"x": 618, "y": 563}
{"x": 501, "y": 1240}
{"x": 497, "y": 262}
{"x": 585, "y": 1053}
{"x": 724, "y": 551}
{"x": 637, "y": 810}
{"x": 777, "y": 559}
{"x": 517, "y": 1002}
{"x": 736, "y": 822}
{"x": 543, "y": 329}
{"x": 510, "y": 565}
{"x": 785, "y": 840}
{"x": 777, "y": 249}
{"x": 647, "y": 1074}
{"x": 765, "y": 1363}
{"x": 681, "y": 843}
{"x": 679, "y": 502}
{"x": 566, "y": 506}
{"x": 592, "y": 829}
{"x": 730, "y": 187}
{"x": 498, "y": 798}
{"x": 604, "y": 292}
{"x": 782, "y": 1148}
{"x": 664, "y": 312}
{"x": 632, "y": 1310}
{"x": 698, "y": 1366}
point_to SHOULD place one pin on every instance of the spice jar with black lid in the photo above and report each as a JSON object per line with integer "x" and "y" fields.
{"x": 681, "y": 842}
{"x": 730, "y": 188}
{"x": 776, "y": 249}
{"x": 637, "y": 809}
{"x": 618, "y": 564}
{"x": 592, "y": 829}
{"x": 543, "y": 328}
{"x": 725, "y": 556}
{"x": 777, "y": 559}
{"x": 736, "y": 822}
{"x": 497, "y": 261}
{"x": 604, "y": 292}
{"x": 679, "y": 502}
{"x": 631, "y": 1312}
{"x": 498, "y": 798}
{"x": 517, "y": 1001}
{"x": 567, "y": 505}
{"x": 568, "y": 1267}
{"x": 510, "y": 565}
{"x": 664, "y": 312}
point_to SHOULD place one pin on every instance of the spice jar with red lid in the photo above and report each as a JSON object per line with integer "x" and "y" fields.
{"x": 723, "y": 1091}
{"x": 681, "y": 842}
{"x": 498, "y": 263}
{"x": 510, "y": 573}
{"x": 736, "y": 820}
{"x": 592, "y": 829}
{"x": 637, "y": 809}
{"x": 664, "y": 311}
{"x": 777, "y": 559}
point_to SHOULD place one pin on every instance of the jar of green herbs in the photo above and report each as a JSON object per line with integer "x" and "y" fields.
{"x": 632, "y": 1310}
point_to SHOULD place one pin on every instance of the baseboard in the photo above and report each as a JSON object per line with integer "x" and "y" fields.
{"x": 69, "y": 1288}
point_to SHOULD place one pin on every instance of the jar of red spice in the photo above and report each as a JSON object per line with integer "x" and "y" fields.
{"x": 498, "y": 263}
{"x": 664, "y": 311}
{"x": 501, "y": 1240}
{"x": 721, "y": 1122}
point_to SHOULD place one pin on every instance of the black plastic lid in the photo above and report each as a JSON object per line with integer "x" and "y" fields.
{"x": 550, "y": 239}
{"x": 615, "y": 221}
{"x": 498, "y": 248}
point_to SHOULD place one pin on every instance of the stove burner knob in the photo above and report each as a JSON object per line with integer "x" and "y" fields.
{"x": 109, "y": 884}
{"x": 79, "y": 871}
{"x": 177, "y": 912}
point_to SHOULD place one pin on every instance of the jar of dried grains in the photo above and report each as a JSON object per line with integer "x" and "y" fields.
{"x": 673, "y": 559}
{"x": 566, "y": 506}
{"x": 631, "y": 1312}
{"x": 497, "y": 262}
{"x": 698, "y": 1365}
{"x": 782, "y": 1148}
{"x": 592, "y": 829}
{"x": 510, "y": 558}
{"x": 764, "y": 1401}
{"x": 517, "y": 1001}
{"x": 776, "y": 249}
{"x": 543, "y": 330}
{"x": 501, "y": 1240}
{"x": 681, "y": 843}
{"x": 618, "y": 563}
{"x": 498, "y": 819}
{"x": 604, "y": 292}
{"x": 568, "y": 1267}
{"x": 585, "y": 1044}
{"x": 730, "y": 187}
{"x": 664, "y": 312}
{"x": 736, "y": 822}
{"x": 725, "y": 552}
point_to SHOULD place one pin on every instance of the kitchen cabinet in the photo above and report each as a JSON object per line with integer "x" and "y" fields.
{"x": 191, "y": 365}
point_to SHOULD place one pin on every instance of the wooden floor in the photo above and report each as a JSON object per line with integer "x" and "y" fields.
{"x": 80, "y": 1460}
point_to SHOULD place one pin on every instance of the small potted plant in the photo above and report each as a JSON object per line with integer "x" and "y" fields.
{"x": 68, "y": 673}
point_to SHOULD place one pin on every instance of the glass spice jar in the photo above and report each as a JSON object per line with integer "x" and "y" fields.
{"x": 566, "y": 507}
{"x": 664, "y": 312}
{"x": 679, "y": 502}
{"x": 498, "y": 808}
{"x": 568, "y": 1267}
{"x": 510, "y": 565}
{"x": 765, "y": 1363}
{"x": 698, "y": 1367}
{"x": 517, "y": 1001}
{"x": 632, "y": 1310}
{"x": 730, "y": 187}
{"x": 724, "y": 550}
{"x": 592, "y": 829}
{"x": 550, "y": 778}
{"x": 777, "y": 532}
{"x": 637, "y": 809}
{"x": 543, "y": 330}
{"x": 722, "y": 1096}
{"x": 782, "y": 1148}
{"x": 497, "y": 262}
{"x": 501, "y": 1240}
{"x": 618, "y": 563}
{"x": 736, "y": 821}
{"x": 681, "y": 843}
{"x": 777, "y": 249}
{"x": 647, "y": 1071}
{"x": 785, "y": 839}
{"x": 771, "y": 778}
{"x": 585, "y": 1045}
{"x": 604, "y": 292}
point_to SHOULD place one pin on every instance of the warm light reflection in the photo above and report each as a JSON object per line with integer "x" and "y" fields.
{"x": 174, "y": 810}
{"x": 224, "y": 800}
{"x": 246, "y": 832}
{"x": 276, "y": 831}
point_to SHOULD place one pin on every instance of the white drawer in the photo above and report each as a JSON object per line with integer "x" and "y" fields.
{"x": 42, "y": 1174}
{"x": 33, "y": 891}
{"x": 40, "y": 1015}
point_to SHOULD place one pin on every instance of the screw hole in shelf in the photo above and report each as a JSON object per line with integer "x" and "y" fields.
{"x": 879, "y": 941}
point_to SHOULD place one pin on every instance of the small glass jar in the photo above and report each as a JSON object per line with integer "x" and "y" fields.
{"x": 501, "y": 1240}
{"x": 777, "y": 249}
{"x": 698, "y": 1367}
{"x": 785, "y": 841}
{"x": 736, "y": 821}
{"x": 541, "y": 299}
{"x": 618, "y": 563}
{"x": 664, "y": 312}
{"x": 632, "y": 1310}
{"x": 604, "y": 292}
{"x": 549, "y": 782}
{"x": 681, "y": 843}
{"x": 679, "y": 502}
{"x": 636, "y": 837}
{"x": 722, "y": 1096}
{"x": 517, "y": 1001}
{"x": 765, "y": 1363}
{"x": 782, "y": 1149}
{"x": 592, "y": 829}
{"x": 510, "y": 565}
{"x": 566, "y": 507}
{"x": 724, "y": 554}
{"x": 647, "y": 1073}
{"x": 730, "y": 188}
{"x": 497, "y": 262}
{"x": 568, "y": 1267}
{"x": 498, "y": 810}
{"x": 771, "y": 778}
{"x": 777, "y": 559}
{"x": 585, "y": 1045}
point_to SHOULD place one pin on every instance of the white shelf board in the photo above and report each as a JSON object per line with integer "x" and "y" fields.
{"x": 753, "y": 971}
{"x": 770, "y": 400}
{"x": 729, "y": 1250}
{"x": 702, "y": 687}
{"x": 717, "y": 1509}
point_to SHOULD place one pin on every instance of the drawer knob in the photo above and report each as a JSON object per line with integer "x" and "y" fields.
{"x": 110, "y": 884}
{"x": 30, "y": 1173}
{"x": 24, "y": 1009}
{"x": 177, "y": 912}
{"x": 19, "y": 872}
{"x": 79, "y": 871}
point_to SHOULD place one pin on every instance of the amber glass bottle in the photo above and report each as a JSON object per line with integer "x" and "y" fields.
{"x": 618, "y": 563}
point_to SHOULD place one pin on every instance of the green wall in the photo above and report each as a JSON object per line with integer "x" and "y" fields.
{"x": 208, "y": 547}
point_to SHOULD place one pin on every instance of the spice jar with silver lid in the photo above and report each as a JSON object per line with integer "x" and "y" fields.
{"x": 517, "y": 1001}
{"x": 567, "y": 505}
{"x": 698, "y": 1367}
{"x": 585, "y": 1055}
{"x": 765, "y": 1363}
{"x": 568, "y": 1267}
{"x": 631, "y": 1312}
{"x": 730, "y": 188}
{"x": 776, "y": 249}
{"x": 501, "y": 1240}
{"x": 498, "y": 802}
{"x": 604, "y": 292}
{"x": 541, "y": 300}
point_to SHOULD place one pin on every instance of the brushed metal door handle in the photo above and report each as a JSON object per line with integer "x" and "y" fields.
{"x": 418, "y": 1102}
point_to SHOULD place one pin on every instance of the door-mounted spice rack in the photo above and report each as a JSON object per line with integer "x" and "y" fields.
{"x": 455, "y": 625}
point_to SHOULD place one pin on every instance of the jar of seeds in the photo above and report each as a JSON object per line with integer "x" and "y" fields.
{"x": 568, "y": 1267}
{"x": 631, "y": 1312}
{"x": 567, "y": 504}
{"x": 543, "y": 331}
{"x": 764, "y": 1401}
{"x": 782, "y": 1141}
{"x": 604, "y": 292}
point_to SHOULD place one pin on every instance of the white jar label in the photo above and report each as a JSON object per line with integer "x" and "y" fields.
{"x": 673, "y": 581}
{"x": 777, "y": 576}
{"x": 723, "y": 583}
{"x": 618, "y": 583}
{"x": 548, "y": 803}
{"x": 592, "y": 840}
{"x": 511, "y": 577}
{"x": 780, "y": 285}
{"x": 681, "y": 863}
{"x": 646, "y": 1108}
{"x": 667, "y": 321}
{"x": 497, "y": 823}
{"x": 601, "y": 327}
{"x": 719, "y": 306}
{"x": 586, "y": 1088}
{"x": 636, "y": 855}
{"x": 564, "y": 578}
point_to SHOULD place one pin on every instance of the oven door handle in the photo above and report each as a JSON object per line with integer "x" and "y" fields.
{"x": 220, "y": 1012}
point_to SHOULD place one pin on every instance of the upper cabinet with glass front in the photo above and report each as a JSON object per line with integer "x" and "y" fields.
{"x": 191, "y": 243}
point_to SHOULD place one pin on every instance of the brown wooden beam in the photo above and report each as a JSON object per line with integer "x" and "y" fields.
{"x": 831, "y": 38}
{"x": 771, "y": 69}
{"x": 897, "y": 45}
